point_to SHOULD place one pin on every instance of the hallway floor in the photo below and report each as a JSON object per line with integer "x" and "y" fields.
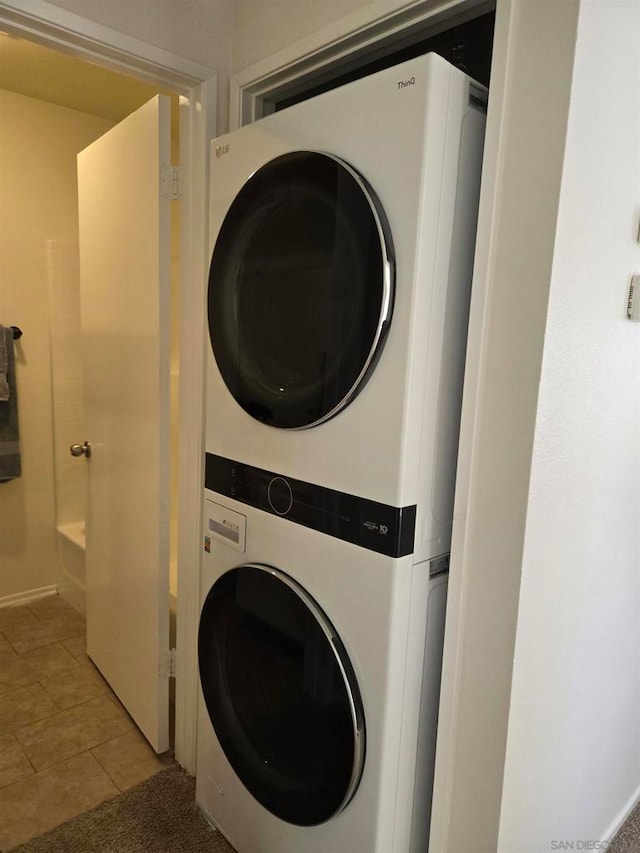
{"x": 66, "y": 743}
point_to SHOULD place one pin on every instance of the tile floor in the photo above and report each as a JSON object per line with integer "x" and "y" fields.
{"x": 66, "y": 744}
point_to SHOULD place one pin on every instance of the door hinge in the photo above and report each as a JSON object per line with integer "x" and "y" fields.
{"x": 168, "y": 664}
{"x": 170, "y": 182}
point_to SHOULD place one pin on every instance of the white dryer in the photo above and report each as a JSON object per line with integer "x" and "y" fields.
{"x": 342, "y": 246}
{"x": 343, "y": 231}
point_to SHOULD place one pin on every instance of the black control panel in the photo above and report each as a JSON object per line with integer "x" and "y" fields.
{"x": 378, "y": 527}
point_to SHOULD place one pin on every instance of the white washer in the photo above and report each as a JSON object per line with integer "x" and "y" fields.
{"x": 319, "y": 746}
{"x": 342, "y": 233}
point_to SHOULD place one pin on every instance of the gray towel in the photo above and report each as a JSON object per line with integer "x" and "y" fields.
{"x": 4, "y": 365}
{"x": 10, "y": 465}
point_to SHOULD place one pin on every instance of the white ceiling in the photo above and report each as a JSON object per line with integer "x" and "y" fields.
{"x": 60, "y": 78}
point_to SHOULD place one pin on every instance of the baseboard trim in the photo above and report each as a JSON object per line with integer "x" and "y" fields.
{"x": 623, "y": 814}
{"x": 27, "y": 596}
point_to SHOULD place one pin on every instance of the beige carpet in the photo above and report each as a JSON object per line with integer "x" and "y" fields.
{"x": 157, "y": 816}
{"x": 628, "y": 838}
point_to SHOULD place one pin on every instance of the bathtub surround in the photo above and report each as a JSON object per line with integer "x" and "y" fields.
{"x": 70, "y": 473}
{"x": 66, "y": 380}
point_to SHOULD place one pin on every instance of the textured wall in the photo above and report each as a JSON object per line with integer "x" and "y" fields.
{"x": 38, "y": 202}
{"x": 522, "y": 172}
{"x": 264, "y": 27}
{"x": 199, "y": 30}
{"x": 573, "y": 752}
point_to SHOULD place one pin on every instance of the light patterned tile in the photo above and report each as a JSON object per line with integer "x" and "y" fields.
{"x": 78, "y": 648}
{"x": 50, "y": 661}
{"x": 128, "y": 759}
{"x": 75, "y": 686}
{"x": 71, "y": 732}
{"x": 51, "y": 607}
{"x": 15, "y": 672}
{"x": 72, "y": 618}
{"x": 14, "y": 764}
{"x": 45, "y": 800}
{"x": 113, "y": 698}
{"x": 23, "y": 638}
{"x": 12, "y": 616}
{"x": 25, "y": 705}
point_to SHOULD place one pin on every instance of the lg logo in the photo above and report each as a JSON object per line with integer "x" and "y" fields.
{"x": 384, "y": 529}
{"x": 221, "y": 150}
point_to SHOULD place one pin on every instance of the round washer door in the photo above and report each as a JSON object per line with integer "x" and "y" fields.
{"x": 300, "y": 289}
{"x": 281, "y": 694}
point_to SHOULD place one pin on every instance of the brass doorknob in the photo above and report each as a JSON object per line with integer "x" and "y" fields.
{"x": 81, "y": 449}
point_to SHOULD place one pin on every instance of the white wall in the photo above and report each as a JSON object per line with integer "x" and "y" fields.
{"x": 199, "y": 30}
{"x": 524, "y": 150}
{"x": 38, "y": 202}
{"x": 573, "y": 752}
{"x": 276, "y": 32}
{"x": 261, "y": 29}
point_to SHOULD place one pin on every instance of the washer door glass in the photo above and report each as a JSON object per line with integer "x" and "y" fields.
{"x": 300, "y": 290}
{"x": 281, "y": 694}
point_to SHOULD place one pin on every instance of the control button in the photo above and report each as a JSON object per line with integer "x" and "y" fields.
{"x": 280, "y": 496}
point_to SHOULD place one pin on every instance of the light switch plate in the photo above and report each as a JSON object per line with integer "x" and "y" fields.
{"x": 633, "y": 304}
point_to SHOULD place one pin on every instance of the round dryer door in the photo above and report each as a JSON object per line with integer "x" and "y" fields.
{"x": 300, "y": 290}
{"x": 281, "y": 694}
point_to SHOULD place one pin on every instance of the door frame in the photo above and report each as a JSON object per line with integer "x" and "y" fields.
{"x": 196, "y": 84}
{"x": 349, "y": 43}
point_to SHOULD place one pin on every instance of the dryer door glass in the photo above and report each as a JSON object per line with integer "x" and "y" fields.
{"x": 281, "y": 694}
{"x": 300, "y": 290}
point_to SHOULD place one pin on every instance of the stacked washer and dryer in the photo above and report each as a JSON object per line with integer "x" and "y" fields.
{"x": 342, "y": 240}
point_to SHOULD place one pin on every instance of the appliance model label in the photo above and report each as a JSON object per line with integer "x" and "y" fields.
{"x": 227, "y": 526}
{"x": 383, "y": 529}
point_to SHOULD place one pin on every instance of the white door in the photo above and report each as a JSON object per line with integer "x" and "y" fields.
{"x": 124, "y": 273}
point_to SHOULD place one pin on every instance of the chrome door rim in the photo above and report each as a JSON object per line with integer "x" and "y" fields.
{"x": 388, "y": 282}
{"x": 346, "y": 671}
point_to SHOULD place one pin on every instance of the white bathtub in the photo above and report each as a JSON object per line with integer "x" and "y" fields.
{"x": 72, "y": 576}
{"x": 71, "y": 559}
